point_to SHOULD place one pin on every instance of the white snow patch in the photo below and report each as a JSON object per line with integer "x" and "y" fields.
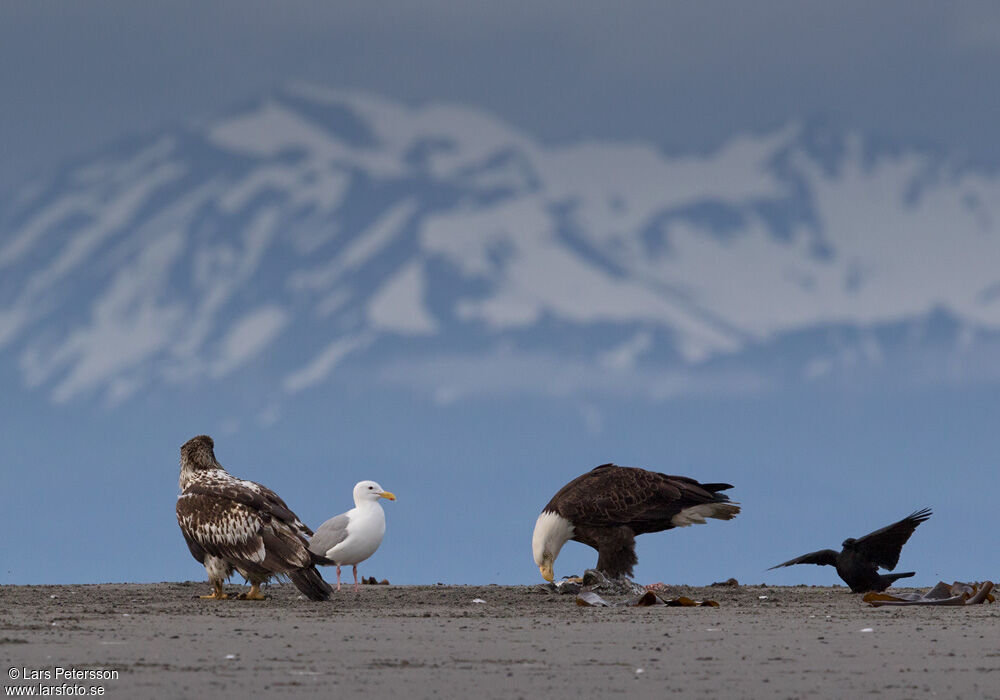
{"x": 34, "y": 230}
{"x": 273, "y": 128}
{"x": 127, "y": 326}
{"x": 361, "y": 250}
{"x": 302, "y": 186}
{"x": 449, "y": 377}
{"x": 817, "y": 368}
{"x": 332, "y": 302}
{"x": 625, "y": 355}
{"x": 248, "y": 336}
{"x": 321, "y": 365}
{"x": 399, "y": 305}
{"x": 219, "y": 271}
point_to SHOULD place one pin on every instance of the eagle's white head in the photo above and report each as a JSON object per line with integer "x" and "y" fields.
{"x": 369, "y": 492}
{"x": 552, "y": 531}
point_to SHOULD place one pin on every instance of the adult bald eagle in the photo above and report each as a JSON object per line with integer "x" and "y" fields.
{"x": 609, "y": 505}
{"x": 858, "y": 562}
{"x": 233, "y": 524}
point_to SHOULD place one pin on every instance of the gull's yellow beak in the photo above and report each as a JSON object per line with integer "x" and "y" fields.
{"x": 387, "y": 494}
{"x": 547, "y": 572}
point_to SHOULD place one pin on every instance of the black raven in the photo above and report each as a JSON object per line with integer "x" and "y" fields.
{"x": 858, "y": 562}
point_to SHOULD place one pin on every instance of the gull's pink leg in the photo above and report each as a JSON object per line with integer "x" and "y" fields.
{"x": 355, "y": 578}
{"x": 338, "y": 577}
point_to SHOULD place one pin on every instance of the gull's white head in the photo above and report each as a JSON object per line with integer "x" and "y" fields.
{"x": 552, "y": 531}
{"x": 369, "y": 492}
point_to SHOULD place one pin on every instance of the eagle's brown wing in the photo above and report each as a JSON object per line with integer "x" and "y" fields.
{"x": 277, "y": 505}
{"x": 646, "y": 501}
{"x": 224, "y": 521}
{"x": 197, "y": 551}
{"x": 257, "y": 496}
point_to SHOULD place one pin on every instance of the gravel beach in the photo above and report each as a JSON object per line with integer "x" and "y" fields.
{"x": 437, "y": 641}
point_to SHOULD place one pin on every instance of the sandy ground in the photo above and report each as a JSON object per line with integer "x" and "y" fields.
{"x": 434, "y": 641}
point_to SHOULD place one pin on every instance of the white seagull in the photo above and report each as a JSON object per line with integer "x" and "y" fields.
{"x": 352, "y": 537}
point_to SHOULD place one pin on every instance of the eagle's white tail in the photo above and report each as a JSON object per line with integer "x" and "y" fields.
{"x": 695, "y": 515}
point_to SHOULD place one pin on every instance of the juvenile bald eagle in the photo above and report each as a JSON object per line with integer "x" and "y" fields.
{"x": 858, "y": 562}
{"x": 232, "y": 524}
{"x": 609, "y": 505}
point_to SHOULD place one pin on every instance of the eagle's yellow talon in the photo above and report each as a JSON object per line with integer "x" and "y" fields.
{"x": 253, "y": 594}
{"x": 217, "y": 594}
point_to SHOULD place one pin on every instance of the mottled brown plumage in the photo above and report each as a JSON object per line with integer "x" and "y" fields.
{"x": 609, "y": 505}
{"x": 233, "y": 524}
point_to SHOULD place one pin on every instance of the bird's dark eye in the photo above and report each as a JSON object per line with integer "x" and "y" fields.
{"x": 370, "y": 488}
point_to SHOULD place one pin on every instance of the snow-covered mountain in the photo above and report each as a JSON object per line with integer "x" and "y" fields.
{"x": 437, "y": 249}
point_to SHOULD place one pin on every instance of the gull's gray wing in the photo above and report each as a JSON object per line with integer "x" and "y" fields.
{"x": 329, "y": 534}
{"x": 824, "y": 557}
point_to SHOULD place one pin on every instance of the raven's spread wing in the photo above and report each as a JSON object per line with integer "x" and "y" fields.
{"x": 883, "y": 546}
{"x": 824, "y": 557}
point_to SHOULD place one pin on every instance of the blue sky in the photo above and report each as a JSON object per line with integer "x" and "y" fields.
{"x": 475, "y": 429}
{"x": 683, "y": 75}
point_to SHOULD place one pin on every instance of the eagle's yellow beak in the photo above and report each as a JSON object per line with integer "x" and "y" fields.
{"x": 547, "y": 572}
{"x": 388, "y": 494}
